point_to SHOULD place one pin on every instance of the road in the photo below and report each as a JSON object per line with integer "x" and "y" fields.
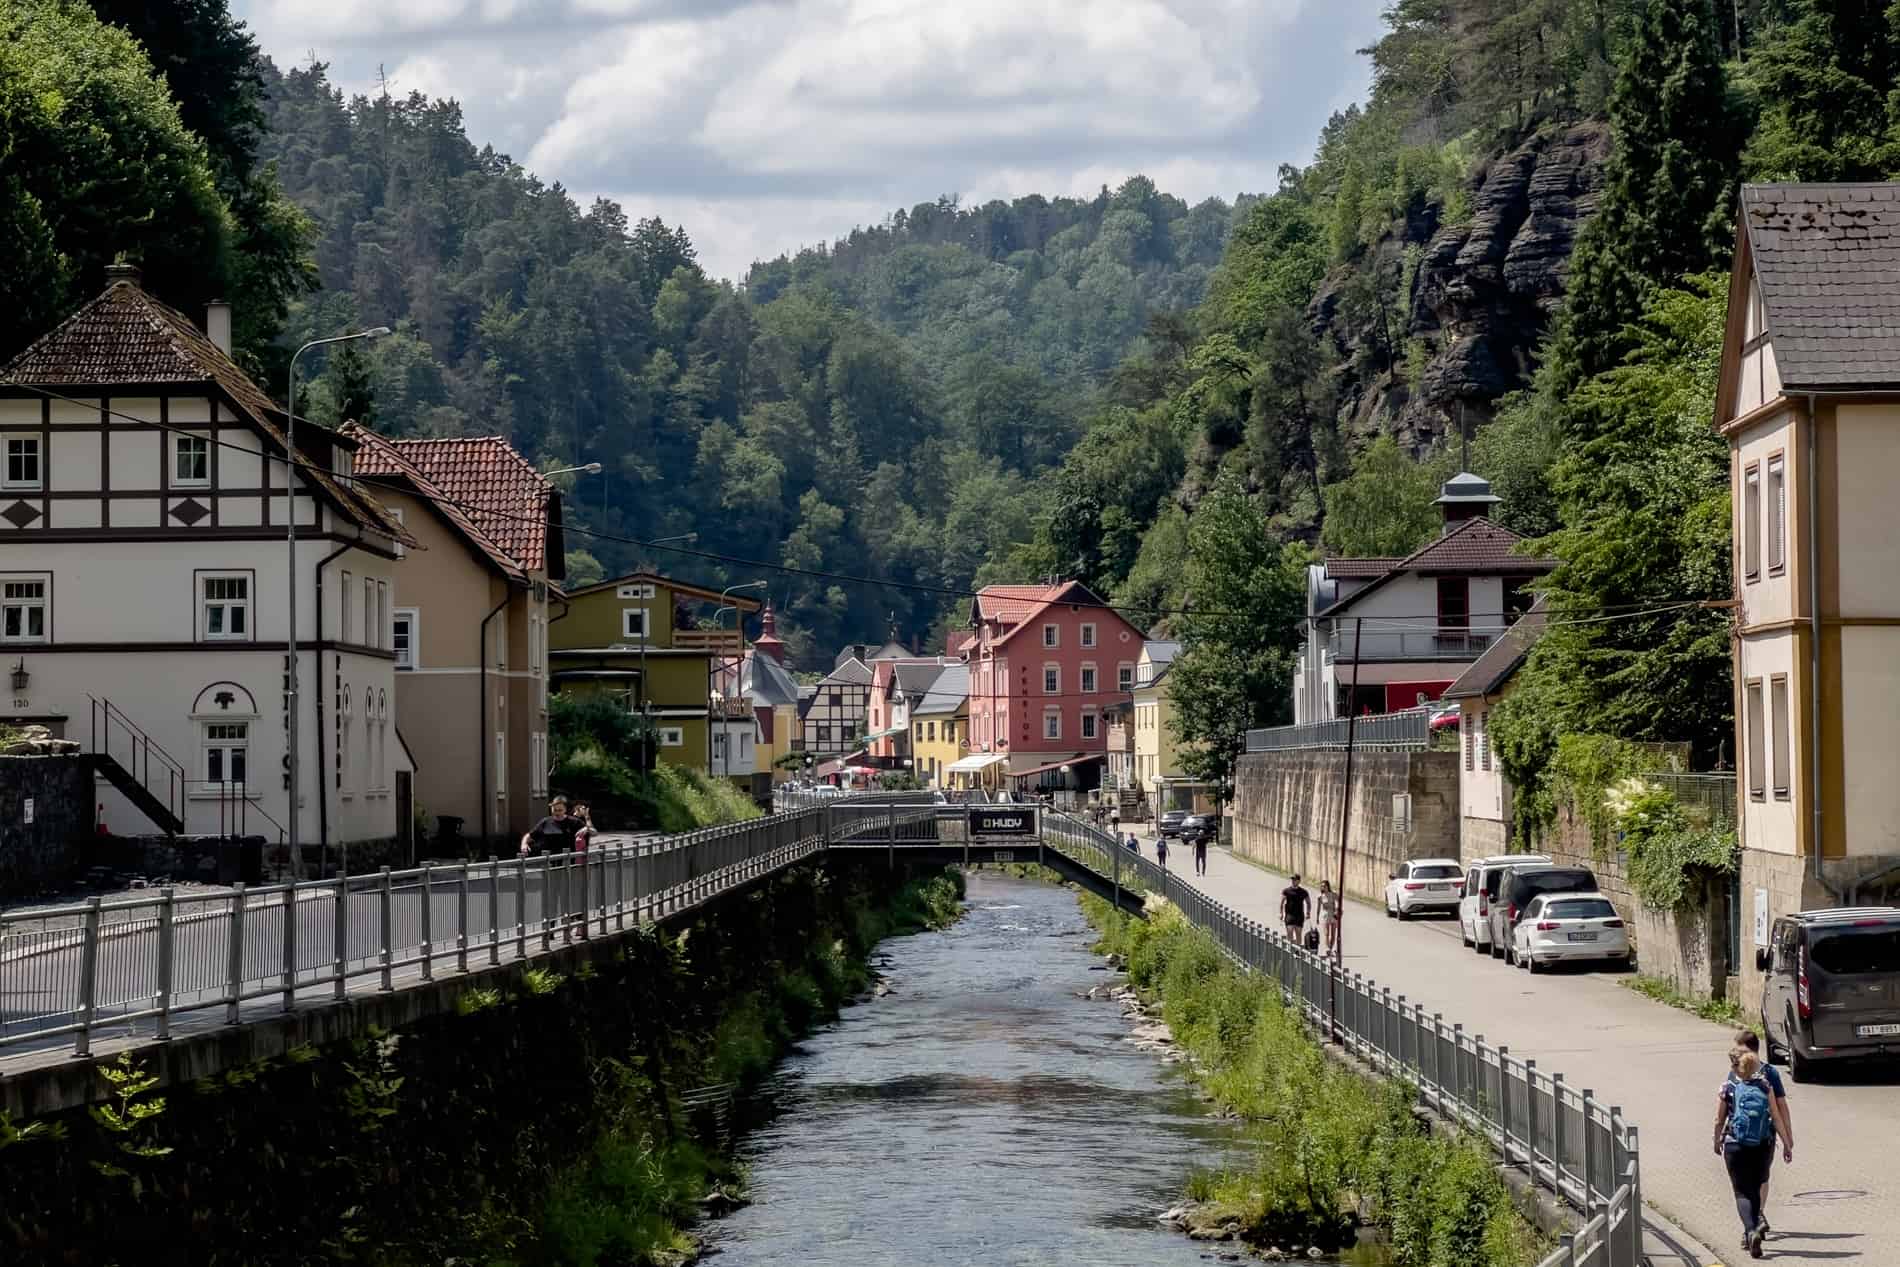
{"x": 1839, "y": 1201}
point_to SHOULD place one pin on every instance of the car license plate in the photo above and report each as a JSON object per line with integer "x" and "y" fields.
{"x": 1583, "y": 937}
{"x": 1876, "y": 1031}
{"x": 1441, "y": 888}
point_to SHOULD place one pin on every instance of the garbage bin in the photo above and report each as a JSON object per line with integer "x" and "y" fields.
{"x": 448, "y": 836}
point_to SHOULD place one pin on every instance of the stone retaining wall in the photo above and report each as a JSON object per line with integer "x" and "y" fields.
{"x": 45, "y": 854}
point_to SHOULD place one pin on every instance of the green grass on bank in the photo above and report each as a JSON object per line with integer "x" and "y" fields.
{"x": 1725, "y": 1012}
{"x": 1328, "y": 1146}
{"x": 667, "y": 798}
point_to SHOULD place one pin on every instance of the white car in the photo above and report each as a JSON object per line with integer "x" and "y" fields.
{"x": 1564, "y": 927}
{"x": 1481, "y": 885}
{"x": 1424, "y": 884}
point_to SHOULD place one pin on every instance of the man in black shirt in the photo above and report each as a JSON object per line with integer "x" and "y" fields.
{"x": 553, "y": 833}
{"x": 1293, "y": 903}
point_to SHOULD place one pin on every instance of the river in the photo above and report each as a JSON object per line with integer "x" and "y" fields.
{"x": 979, "y": 1113}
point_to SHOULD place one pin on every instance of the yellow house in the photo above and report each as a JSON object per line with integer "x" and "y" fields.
{"x": 940, "y": 726}
{"x": 1155, "y": 761}
{"x": 634, "y": 637}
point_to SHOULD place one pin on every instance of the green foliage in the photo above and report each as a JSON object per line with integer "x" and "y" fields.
{"x": 1584, "y": 774}
{"x": 1724, "y": 1011}
{"x": 1384, "y": 508}
{"x": 130, "y": 1118}
{"x": 1665, "y": 850}
{"x": 1825, "y": 79}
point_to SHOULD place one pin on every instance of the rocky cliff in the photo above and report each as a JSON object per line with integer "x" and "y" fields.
{"x": 1474, "y": 297}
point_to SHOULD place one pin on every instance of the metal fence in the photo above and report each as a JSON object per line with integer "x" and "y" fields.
{"x": 1563, "y": 1137}
{"x": 1408, "y": 728}
{"x": 1707, "y": 797}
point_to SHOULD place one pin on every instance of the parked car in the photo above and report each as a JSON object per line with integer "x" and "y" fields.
{"x": 1566, "y": 927}
{"x": 1521, "y": 884}
{"x": 1482, "y": 878}
{"x": 1170, "y": 824}
{"x": 1198, "y": 827}
{"x": 1833, "y": 986}
{"x": 1423, "y": 884}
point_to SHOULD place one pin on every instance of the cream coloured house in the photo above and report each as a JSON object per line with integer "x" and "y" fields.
{"x": 1809, "y": 399}
{"x": 1155, "y": 760}
{"x": 1484, "y": 794}
{"x": 143, "y": 567}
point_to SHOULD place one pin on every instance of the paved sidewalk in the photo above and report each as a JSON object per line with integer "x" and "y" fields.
{"x": 1838, "y": 1201}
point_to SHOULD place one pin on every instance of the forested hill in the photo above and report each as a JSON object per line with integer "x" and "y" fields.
{"x": 877, "y": 407}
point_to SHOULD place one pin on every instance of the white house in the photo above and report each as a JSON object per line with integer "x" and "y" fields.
{"x": 142, "y": 553}
{"x": 1484, "y": 794}
{"x": 1391, "y": 633}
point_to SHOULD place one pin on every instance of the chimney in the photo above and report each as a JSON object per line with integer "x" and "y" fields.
{"x": 1465, "y": 496}
{"x": 218, "y": 324}
{"x": 120, "y": 271}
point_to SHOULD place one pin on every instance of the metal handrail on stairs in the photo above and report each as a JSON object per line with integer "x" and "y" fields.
{"x": 141, "y": 754}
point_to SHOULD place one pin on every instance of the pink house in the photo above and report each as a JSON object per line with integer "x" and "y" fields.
{"x": 1045, "y": 662}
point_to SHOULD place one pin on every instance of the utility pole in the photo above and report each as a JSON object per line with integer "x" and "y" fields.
{"x": 1345, "y": 825}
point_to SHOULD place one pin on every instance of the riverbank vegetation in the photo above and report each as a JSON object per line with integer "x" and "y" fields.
{"x": 1332, "y": 1149}
{"x": 596, "y": 743}
{"x": 549, "y": 1121}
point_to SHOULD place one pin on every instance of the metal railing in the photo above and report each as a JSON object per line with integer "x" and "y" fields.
{"x": 1709, "y": 797}
{"x": 1407, "y": 729}
{"x": 119, "y": 738}
{"x": 1445, "y": 642}
{"x": 1562, "y": 1137}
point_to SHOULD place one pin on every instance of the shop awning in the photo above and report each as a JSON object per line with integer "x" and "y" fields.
{"x": 975, "y": 761}
{"x": 1046, "y": 764}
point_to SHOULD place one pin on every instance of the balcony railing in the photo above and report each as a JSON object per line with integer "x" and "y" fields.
{"x": 1410, "y": 728}
{"x": 1445, "y": 642}
{"x": 715, "y": 641}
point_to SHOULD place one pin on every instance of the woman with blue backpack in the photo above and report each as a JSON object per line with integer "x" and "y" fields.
{"x": 1747, "y": 1115}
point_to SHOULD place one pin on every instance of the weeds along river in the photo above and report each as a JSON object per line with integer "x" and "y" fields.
{"x": 978, "y": 1113}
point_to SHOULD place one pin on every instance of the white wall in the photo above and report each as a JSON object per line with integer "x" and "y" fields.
{"x": 1868, "y": 511}
{"x": 1481, "y": 792}
{"x": 1870, "y": 737}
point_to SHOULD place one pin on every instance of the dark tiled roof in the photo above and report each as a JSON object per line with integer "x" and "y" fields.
{"x": 125, "y": 337}
{"x": 767, "y": 682}
{"x": 1501, "y": 659}
{"x": 496, "y": 488}
{"x": 1827, "y": 259}
{"x": 947, "y": 694}
{"x": 852, "y": 672}
{"x": 1359, "y": 569}
{"x": 915, "y": 676}
{"x": 1476, "y": 547}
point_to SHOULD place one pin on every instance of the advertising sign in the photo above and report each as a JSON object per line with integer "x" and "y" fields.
{"x": 1002, "y": 820}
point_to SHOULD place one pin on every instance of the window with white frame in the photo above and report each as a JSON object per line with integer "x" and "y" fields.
{"x": 382, "y": 616}
{"x": 346, "y": 615}
{"x": 1088, "y": 725}
{"x": 1125, "y": 677}
{"x": 369, "y": 611}
{"x": 1751, "y": 522}
{"x": 535, "y": 638}
{"x": 191, "y": 461}
{"x": 1088, "y": 679}
{"x": 1088, "y": 635}
{"x": 1052, "y": 724}
{"x": 1051, "y": 636}
{"x": 404, "y": 632}
{"x": 672, "y": 737}
{"x": 1775, "y": 503}
{"x": 225, "y": 606}
{"x": 23, "y": 603}
{"x": 1051, "y": 679}
{"x": 633, "y": 622}
{"x": 227, "y": 748}
{"x": 23, "y": 462}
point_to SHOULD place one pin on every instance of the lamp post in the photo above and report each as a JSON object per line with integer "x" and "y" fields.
{"x": 588, "y": 468}
{"x": 291, "y": 744}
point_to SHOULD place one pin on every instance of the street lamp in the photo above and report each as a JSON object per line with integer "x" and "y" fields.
{"x": 590, "y": 468}
{"x": 290, "y": 544}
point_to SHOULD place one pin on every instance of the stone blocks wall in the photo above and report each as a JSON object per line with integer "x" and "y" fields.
{"x": 1483, "y": 838}
{"x": 46, "y": 853}
{"x": 1287, "y": 808}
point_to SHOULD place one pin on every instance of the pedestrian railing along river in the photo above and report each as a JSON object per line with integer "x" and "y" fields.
{"x": 1564, "y": 1138}
{"x": 1407, "y": 729}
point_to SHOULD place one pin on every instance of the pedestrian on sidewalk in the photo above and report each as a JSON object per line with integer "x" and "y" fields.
{"x": 1744, "y": 1138}
{"x": 1329, "y": 914}
{"x": 1200, "y": 854}
{"x": 1161, "y": 851}
{"x": 551, "y": 834}
{"x": 1134, "y": 846}
{"x": 1748, "y": 1040}
{"x": 1293, "y": 903}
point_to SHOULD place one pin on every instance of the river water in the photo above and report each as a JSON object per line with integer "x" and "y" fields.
{"x": 980, "y": 1113}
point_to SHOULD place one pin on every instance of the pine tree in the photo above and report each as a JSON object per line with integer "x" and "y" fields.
{"x": 1825, "y": 79}
{"x": 1670, "y": 189}
{"x": 353, "y": 385}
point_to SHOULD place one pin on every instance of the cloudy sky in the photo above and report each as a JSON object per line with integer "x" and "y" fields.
{"x": 764, "y": 125}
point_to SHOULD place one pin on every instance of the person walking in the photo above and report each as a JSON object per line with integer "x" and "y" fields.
{"x": 1200, "y": 852}
{"x": 1748, "y": 1040}
{"x": 1746, "y": 1120}
{"x": 1161, "y": 851}
{"x": 1293, "y": 903}
{"x": 1329, "y": 914}
{"x": 552, "y": 834}
{"x": 1134, "y": 846}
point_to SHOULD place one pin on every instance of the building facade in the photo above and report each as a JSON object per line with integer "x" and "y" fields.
{"x": 833, "y": 717}
{"x": 940, "y": 725}
{"x": 1484, "y": 794}
{"x": 1809, "y": 400}
{"x": 1155, "y": 763}
{"x": 146, "y": 585}
{"x": 470, "y": 626}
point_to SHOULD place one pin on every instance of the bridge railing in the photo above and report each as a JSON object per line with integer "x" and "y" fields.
{"x": 1563, "y": 1137}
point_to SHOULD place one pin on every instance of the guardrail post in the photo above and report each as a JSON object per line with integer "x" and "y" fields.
{"x": 88, "y": 978}
{"x": 1557, "y": 1133}
{"x": 620, "y": 891}
{"x": 290, "y": 945}
{"x": 1567, "y": 1246}
{"x": 386, "y": 899}
{"x": 427, "y": 924}
{"x": 1504, "y": 1102}
{"x": 1589, "y": 1159}
{"x": 234, "y": 952}
{"x": 494, "y": 910}
{"x": 461, "y": 919}
{"x": 549, "y": 902}
{"x": 341, "y": 962}
{"x": 167, "y": 928}
{"x": 521, "y": 907}
{"x": 1460, "y": 1084}
{"x": 1635, "y": 1219}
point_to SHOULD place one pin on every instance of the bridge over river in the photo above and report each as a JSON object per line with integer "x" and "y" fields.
{"x": 193, "y": 985}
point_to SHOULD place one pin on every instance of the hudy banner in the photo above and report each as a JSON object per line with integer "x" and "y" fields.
{"x": 1003, "y": 820}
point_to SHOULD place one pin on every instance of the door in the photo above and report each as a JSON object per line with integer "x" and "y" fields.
{"x": 406, "y": 814}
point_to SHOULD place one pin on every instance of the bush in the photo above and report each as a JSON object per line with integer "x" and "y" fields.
{"x": 1664, "y": 849}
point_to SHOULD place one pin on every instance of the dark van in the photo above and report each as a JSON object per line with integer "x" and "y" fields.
{"x": 1516, "y": 889}
{"x": 1833, "y": 986}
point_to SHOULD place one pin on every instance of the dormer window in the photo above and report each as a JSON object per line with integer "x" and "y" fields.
{"x": 191, "y": 461}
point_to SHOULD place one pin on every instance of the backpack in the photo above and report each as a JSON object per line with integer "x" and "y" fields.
{"x": 1312, "y": 940}
{"x": 1750, "y": 1123}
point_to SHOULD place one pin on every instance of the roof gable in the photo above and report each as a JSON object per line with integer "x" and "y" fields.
{"x": 1476, "y": 547}
{"x": 739, "y": 601}
{"x": 1050, "y": 596}
{"x": 1826, "y": 259}
{"x": 382, "y": 459}
{"x": 493, "y": 488}
{"x": 949, "y": 693}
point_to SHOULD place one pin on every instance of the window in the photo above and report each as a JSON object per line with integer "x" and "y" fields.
{"x": 1751, "y": 522}
{"x": 1517, "y": 597}
{"x": 346, "y": 614}
{"x": 1777, "y": 512}
{"x": 369, "y": 611}
{"x": 1052, "y": 725}
{"x": 1051, "y": 636}
{"x": 535, "y": 638}
{"x": 382, "y": 616}
{"x": 1088, "y": 679}
{"x": 1757, "y": 756}
{"x": 949, "y": 732}
{"x": 191, "y": 460}
{"x": 932, "y": 728}
{"x": 1125, "y": 677}
{"x": 672, "y": 737}
{"x": 23, "y": 611}
{"x": 1088, "y": 635}
{"x": 1454, "y": 602}
{"x": 1088, "y": 725}
{"x": 1778, "y": 731}
{"x": 1051, "y": 680}
{"x": 634, "y": 591}
{"x": 1471, "y": 743}
{"x": 226, "y": 605}
{"x": 227, "y": 752}
{"x": 633, "y": 622}
{"x": 343, "y": 734}
{"x": 403, "y": 634}
{"x": 395, "y": 512}
{"x": 23, "y": 462}
{"x": 1484, "y": 741}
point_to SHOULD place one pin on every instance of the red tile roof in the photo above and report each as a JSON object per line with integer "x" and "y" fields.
{"x": 126, "y": 337}
{"x": 382, "y": 459}
{"x": 496, "y": 489}
{"x": 1012, "y": 604}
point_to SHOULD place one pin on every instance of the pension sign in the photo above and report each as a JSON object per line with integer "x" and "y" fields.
{"x": 1014, "y": 820}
